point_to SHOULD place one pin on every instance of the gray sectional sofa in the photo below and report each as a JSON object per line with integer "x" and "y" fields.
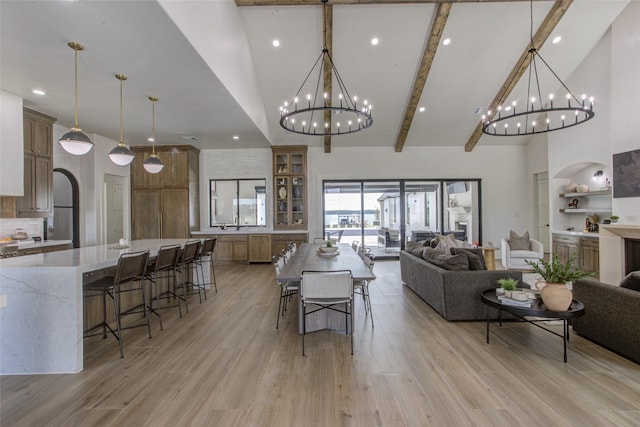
{"x": 453, "y": 294}
{"x": 612, "y": 316}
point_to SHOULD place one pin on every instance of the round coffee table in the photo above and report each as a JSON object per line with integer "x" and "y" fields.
{"x": 538, "y": 310}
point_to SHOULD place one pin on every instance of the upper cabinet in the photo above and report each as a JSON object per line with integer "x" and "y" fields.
{"x": 37, "y": 200}
{"x": 290, "y": 187}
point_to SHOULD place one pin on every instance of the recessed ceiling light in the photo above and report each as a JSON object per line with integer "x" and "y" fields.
{"x": 421, "y": 109}
{"x": 375, "y": 41}
{"x": 236, "y": 137}
{"x": 38, "y": 92}
{"x": 556, "y": 39}
{"x": 275, "y": 42}
{"x": 446, "y": 41}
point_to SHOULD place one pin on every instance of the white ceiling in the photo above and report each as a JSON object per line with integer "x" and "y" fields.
{"x": 216, "y": 74}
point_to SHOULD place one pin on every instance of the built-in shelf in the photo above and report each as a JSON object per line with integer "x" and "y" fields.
{"x": 589, "y": 211}
{"x": 606, "y": 192}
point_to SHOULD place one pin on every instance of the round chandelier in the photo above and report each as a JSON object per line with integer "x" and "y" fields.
{"x": 312, "y": 111}
{"x": 539, "y": 115}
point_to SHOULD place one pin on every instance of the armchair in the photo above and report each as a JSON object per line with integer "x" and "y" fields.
{"x": 517, "y": 259}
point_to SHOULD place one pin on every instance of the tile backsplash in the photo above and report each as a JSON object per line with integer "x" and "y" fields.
{"x": 32, "y": 226}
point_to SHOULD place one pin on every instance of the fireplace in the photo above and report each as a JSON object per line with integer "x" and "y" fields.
{"x": 619, "y": 251}
{"x": 631, "y": 255}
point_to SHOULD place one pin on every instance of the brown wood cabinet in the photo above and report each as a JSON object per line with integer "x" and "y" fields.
{"x": 259, "y": 248}
{"x": 279, "y": 241}
{"x": 166, "y": 204}
{"x": 290, "y": 187}
{"x": 45, "y": 249}
{"x": 232, "y": 248}
{"x": 37, "y": 200}
{"x": 586, "y": 250}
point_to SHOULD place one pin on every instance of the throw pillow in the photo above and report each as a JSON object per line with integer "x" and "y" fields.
{"x": 462, "y": 244}
{"x": 631, "y": 281}
{"x": 519, "y": 243}
{"x": 474, "y": 256}
{"x": 415, "y": 249}
{"x": 446, "y": 261}
{"x": 445, "y": 245}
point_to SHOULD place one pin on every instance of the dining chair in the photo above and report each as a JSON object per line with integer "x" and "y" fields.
{"x": 326, "y": 290}
{"x": 164, "y": 267}
{"x": 354, "y": 246}
{"x": 131, "y": 269}
{"x": 362, "y": 287}
{"x": 287, "y": 289}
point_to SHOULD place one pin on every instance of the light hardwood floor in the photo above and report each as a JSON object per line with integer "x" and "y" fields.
{"x": 225, "y": 364}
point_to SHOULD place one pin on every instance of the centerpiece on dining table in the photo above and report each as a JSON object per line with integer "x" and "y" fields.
{"x": 328, "y": 248}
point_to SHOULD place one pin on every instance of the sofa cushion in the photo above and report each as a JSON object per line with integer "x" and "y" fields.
{"x": 519, "y": 243}
{"x": 631, "y": 281}
{"x": 532, "y": 255}
{"x": 415, "y": 248}
{"x": 474, "y": 256}
{"x": 463, "y": 244}
{"x": 446, "y": 261}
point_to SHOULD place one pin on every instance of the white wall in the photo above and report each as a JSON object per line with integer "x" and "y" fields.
{"x": 503, "y": 171}
{"x": 625, "y": 92}
{"x": 11, "y": 145}
{"x": 89, "y": 170}
{"x": 233, "y": 164}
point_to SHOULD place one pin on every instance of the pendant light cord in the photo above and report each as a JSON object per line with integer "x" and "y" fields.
{"x": 120, "y": 109}
{"x": 153, "y": 126}
{"x": 76, "y": 86}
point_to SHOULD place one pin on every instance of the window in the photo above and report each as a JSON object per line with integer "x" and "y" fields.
{"x": 237, "y": 202}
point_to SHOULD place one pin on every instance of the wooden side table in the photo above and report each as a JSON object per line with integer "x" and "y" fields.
{"x": 489, "y": 253}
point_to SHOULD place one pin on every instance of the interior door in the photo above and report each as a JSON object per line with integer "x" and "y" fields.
{"x": 542, "y": 212}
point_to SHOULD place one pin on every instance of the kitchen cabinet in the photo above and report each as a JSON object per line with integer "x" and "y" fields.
{"x": 259, "y": 248}
{"x": 44, "y": 249}
{"x": 232, "y": 248}
{"x": 279, "y": 241}
{"x": 586, "y": 250}
{"x": 37, "y": 199}
{"x": 166, "y": 204}
{"x": 290, "y": 187}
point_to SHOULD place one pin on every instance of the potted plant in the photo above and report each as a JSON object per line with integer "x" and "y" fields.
{"x": 614, "y": 219}
{"x": 507, "y": 285}
{"x": 328, "y": 247}
{"x": 555, "y": 294}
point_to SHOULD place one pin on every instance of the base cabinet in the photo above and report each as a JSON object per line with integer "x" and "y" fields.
{"x": 259, "y": 248}
{"x": 585, "y": 249}
{"x": 246, "y": 248}
{"x": 232, "y": 248}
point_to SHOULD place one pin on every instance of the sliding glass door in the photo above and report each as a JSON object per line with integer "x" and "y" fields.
{"x": 388, "y": 214}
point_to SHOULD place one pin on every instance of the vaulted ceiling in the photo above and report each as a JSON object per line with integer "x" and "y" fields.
{"x": 217, "y": 75}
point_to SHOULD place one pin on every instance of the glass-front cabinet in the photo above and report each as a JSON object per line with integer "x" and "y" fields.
{"x": 290, "y": 187}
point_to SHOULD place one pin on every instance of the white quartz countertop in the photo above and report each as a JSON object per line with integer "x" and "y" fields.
{"x": 30, "y": 244}
{"x": 232, "y": 230}
{"x": 88, "y": 258}
{"x": 576, "y": 233}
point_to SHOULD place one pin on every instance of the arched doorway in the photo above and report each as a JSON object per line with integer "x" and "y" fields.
{"x": 65, "y": 224}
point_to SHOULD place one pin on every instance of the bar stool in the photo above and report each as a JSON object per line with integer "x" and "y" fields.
{"x": 187, "y": 259}
{"x": 163, "y": 267}
{"x": 131, "y": 268}
{"x": 207, "y": 249}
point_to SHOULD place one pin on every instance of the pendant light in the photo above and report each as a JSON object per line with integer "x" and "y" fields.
{"x": 121, "y": 155}
{"x": 153, "y": 164}
{"x": 74, "y": 141}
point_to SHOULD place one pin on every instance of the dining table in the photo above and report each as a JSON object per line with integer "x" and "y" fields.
{"x": 308, "y": 257}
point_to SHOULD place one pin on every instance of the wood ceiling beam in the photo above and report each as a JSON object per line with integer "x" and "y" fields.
{"x": 550, "y": 21}
{"x": 327, "y": 37}
{"x": 241, "y": 3}
{"x": 430, "y": 49}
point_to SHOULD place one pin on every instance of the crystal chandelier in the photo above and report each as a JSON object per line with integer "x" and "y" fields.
{"x": 153, "y": 164}
{"x": 311, "y": 111}
{"x": 538, "y": 115}
{"x": 75, "y": 141}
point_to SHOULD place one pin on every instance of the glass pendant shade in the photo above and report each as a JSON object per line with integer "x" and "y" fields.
{"x": 121, "y": 155}
{"x": 75, "y": 142}
{"x": 153, "y": 164}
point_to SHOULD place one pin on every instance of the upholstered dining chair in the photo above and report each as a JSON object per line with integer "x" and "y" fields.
{"x": 130, "y": 270}
{"x": 287, "y": 288}
{"x": 325, "y": 290}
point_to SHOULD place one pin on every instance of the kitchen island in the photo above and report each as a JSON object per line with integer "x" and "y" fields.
{"x": 41, "y": 324}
